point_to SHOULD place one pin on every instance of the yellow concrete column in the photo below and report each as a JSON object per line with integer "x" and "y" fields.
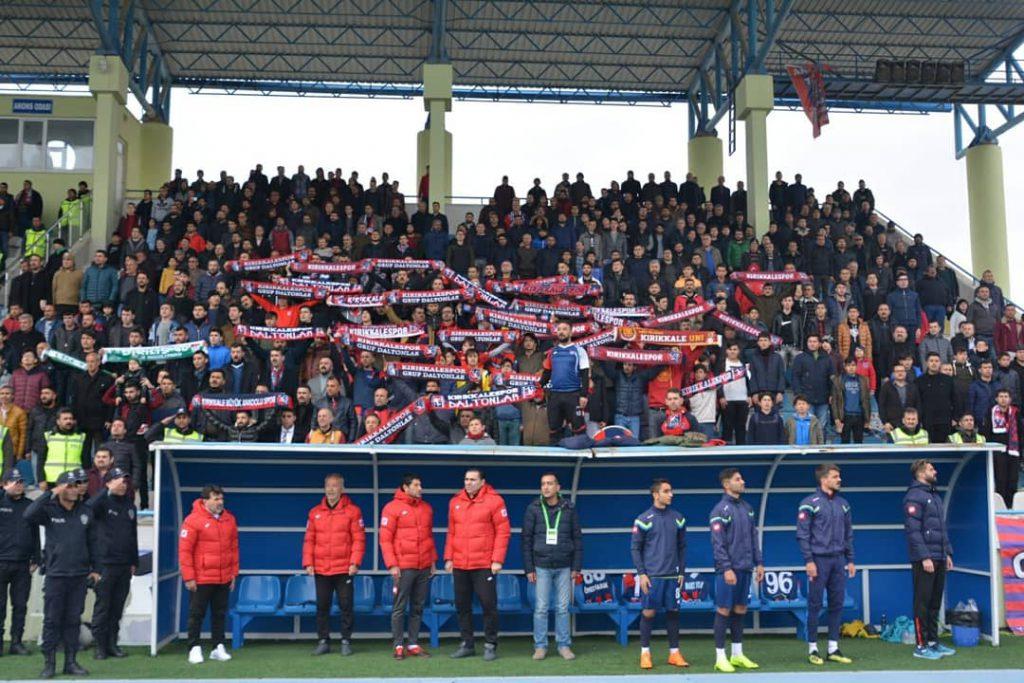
{"x": 437, "y": 100}
{"x": 704, "y": 156}
{"x": 986, "y": 202}
{"x": 108, "y": 82}
{"x": 155, "y": 156}
{"x": 755, "y": 98}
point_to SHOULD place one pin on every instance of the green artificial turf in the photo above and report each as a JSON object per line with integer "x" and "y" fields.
{"x": 596, "y": 655}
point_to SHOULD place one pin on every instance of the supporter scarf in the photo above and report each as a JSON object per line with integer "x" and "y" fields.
{"x": 615, "y": 316}
{"x": 514, "y": 379}
{"x": 712, "y": 382}
{"x": 774, "y": 276}
{"x": 429, "y": 371}
{"x": 602, "y": 338}
{"x": 457, "y": 336}
{"x": 691, "y": 339}
{"x": 524, "y": 323}
{"x": 63, "y": 359}
{"x": 278, "y": 333}
{"x": 405, "y": 264}
{"x": 488, "y": 399}
{"x": 673, "y": 318}
{"x": 516, "y": 286}
{"x": 143, "y": 354}
{"x": 286, "y": 289}
{"x": 478, "y": 293}
{"x": 328, "y": 286}
{"x": 404, "y": 296}
{"x": 635, "y": 356}
{"x": 381, "y": 331}
{"x": 390, "y": 348}
{"x": 560, "y": 310}
{"x": 1005, "y": 422}
{"x": 236, "y": 402}
{"x": 325, "y": 268}
{"x": 745, "y": 328}
{"x": 580, "y": 328}
{"x": 387, "y": 431}
{"x": 256, "y": 264}
{"x": 357, "y": 300}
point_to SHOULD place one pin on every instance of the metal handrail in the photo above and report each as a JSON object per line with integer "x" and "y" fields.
{"x": 963, "y": 275}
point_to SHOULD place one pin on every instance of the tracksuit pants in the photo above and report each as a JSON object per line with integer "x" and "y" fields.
{"x": 563, "y": 406}
{"x": 63, "y": 602}
{"x": 734, "y": 421}
{"x": 831, "y": 578}
{"x": 16, "y": 580}
{"x": 1006, "y": 469}
{"x": 928, "y": 588}
{"x": 111, "y": 595}
{"x": 483, "y": 584}
{"x": 411, "y": 589}
{"x": 214, "y": 596}
{"x": 326, "y": 587}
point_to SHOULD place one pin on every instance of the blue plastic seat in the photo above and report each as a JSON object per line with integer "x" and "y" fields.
{"x": 510, "y": 593}
{"x": 387, "y": 593}
{"x": 258, "y": 595}
{"x": 442, "y": 593}
{"x": 300, "y": 595}
{"x": 363, "y": 594}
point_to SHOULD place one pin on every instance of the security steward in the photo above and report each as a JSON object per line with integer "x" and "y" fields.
{"x": 117, "y": 552}
{"x": 176, "y": 428}
{"x": 64, "y": 448}
{"x": 19, "y": 557}
{"x": 69, "y": 556}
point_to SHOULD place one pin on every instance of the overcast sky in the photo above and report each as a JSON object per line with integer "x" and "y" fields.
{"x": 907, "y": 160}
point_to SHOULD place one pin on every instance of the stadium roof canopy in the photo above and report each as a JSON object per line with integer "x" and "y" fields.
{"x": 611, "y": 50}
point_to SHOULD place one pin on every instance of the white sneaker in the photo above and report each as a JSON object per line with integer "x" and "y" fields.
{"x": 195, "y": 655}
{"x": 219, "y": 654}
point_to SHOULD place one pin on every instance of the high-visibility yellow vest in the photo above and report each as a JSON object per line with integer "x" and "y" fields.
{"x": 70, "y": 213}
{"x": 63, "y": 453}
{"x": 174, "y": 436}
{"x": 958, "y": 438}
{"x": 901, "y": 438}
{"x": 35, "y": 243}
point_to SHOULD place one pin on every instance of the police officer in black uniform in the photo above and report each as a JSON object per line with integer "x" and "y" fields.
{"x": 69, "y": 559}
{"x": 117, "y": 553}
{"x": 19, "y": 557}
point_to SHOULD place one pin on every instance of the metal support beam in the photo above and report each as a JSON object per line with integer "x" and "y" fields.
{"x": 992, "y": 118}
{"x": 438, "y": 32}
{"x": 132, "y": 38}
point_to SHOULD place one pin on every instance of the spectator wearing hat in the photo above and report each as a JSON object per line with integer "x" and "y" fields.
{"x": 117, "y": 556}
{"x": 70, "y": 561}
{"x": 19, "y": 557}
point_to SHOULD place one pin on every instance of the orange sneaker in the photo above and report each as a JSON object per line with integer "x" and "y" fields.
{"x": 645, "y": 661}
{"x": 676, "y": 659}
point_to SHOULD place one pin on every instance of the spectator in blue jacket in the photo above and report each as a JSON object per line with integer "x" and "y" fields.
{"x": 905, "y": 305}
{"x": 630, "y": 393}
{"x": 99, "y": 283}
{"x": 767, "y": 369}
{"x": 982, "y": 395}
{"x": 931, "y": 556}
{"x": 812, "y": 372}
{"x": 764, "y": 425}
{"x": 435, "y": 242}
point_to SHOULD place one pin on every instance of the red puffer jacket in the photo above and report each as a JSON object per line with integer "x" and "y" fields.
{"x": 406, "y": 533}
{"x": 478, "y": 529}
{"x": 335, "y": 538}
{"x": 208, "y": 546}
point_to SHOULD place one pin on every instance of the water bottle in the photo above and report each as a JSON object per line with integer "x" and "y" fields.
{"x": 885, "y": 621}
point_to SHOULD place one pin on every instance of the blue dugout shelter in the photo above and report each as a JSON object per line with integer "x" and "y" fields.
{"x": 271, "y": 487}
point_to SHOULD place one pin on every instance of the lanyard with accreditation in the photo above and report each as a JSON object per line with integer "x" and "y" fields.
{"x": 552, "y": 531}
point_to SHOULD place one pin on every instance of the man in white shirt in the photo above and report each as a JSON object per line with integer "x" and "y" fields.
{"x": 285, "y": 431}
{"x": 734, "y": 399}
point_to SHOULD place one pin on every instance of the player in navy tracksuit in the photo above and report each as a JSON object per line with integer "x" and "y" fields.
{"x": 737, "y": 556}
{"x": 824, "y": 529}
{"x": 567, "y": 368}
{"x": 659, "y": 555}
{"x": 931, "y": 556}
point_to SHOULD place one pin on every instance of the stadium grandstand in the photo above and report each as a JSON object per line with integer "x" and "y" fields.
{"x": 298, "y": 398}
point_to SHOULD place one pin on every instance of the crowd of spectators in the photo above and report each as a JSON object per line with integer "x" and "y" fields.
{"x": 867, "y": 332}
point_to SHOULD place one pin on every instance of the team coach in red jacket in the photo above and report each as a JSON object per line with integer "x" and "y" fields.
{"x": 407, "y": 543}
{"x": 332, "y": 551}
{"x": 208, "y": 557}
{"x": 478, "y": 533}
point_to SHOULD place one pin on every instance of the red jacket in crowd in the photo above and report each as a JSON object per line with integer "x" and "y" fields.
{"x": 208, "y": 546}
{"x": 407, "y": 533}
{"x": 335, "y": 538}
{"x": 478, "y": 529}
